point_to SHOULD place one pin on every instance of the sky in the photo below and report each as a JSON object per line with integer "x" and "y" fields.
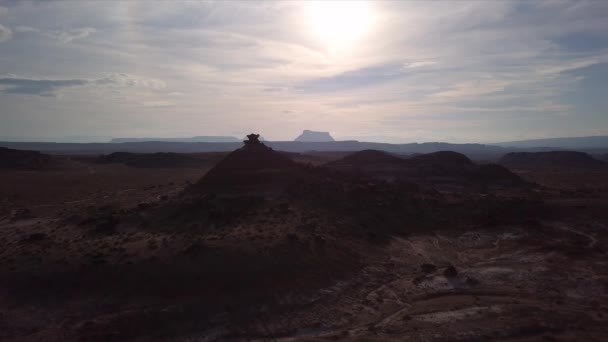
{"x": 396, "y": 71}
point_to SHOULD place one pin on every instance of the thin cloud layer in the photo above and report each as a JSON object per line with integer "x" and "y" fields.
{"x": 5, "y": 33}
{"x": 46, "y": 87}
{"x": 465, "y": 71}
{"x": 64, "y": 36}
{"x": 36, "y": 87}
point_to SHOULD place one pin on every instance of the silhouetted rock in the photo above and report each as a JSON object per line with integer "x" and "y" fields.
{"x": 252, "y": 168}
{"x": 312, "y": 136}
{"x": 252, "y": 139}
{"x": 22, "y": 159}
{"x": 550, "y": 159}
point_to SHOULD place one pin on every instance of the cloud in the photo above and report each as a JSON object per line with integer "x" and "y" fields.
{"x": 36, "y": 87}
{"x": 3, "y": 10}
{"x": 5, "y": 33}
{"x": 418, "y": 64}
{"x": 469, "y": 69}
{"x": 24, "y": 29}
{"x": 50, "y": 87}
{"x": 72, "y": 34}
{"x": 157, "y": 104}
{"x": 363, "y": 77}
{"x": 127, "y": 80}
{"x": 64, "y": 36}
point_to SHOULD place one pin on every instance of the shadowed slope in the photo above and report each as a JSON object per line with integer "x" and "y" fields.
{"x": 366, "y": 157}
{"x": 444, "y": 170}
{"x": 21, "y": 159}
{"x": 252, "y": 168}
{"x": 443, "y": 158}
{"x": 550, "y": 159}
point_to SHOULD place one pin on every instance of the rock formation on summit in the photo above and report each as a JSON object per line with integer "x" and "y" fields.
{"x": 252, "y": 139}
{"x": 253, "y": 168}
{"x": 312, "y": 136}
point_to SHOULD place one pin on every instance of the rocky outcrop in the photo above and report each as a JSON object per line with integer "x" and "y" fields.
{"x": 254, "y": 168}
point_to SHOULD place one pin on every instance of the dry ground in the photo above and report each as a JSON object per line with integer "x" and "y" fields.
{"x": 542, "y": 279}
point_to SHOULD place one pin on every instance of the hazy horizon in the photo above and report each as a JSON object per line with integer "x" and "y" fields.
{"x": 480, "y": 72}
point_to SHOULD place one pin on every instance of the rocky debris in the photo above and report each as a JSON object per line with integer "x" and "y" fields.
{"x": 471, "y": 282}
{"x": 450, "y": 272}
{"x": 20, "y": 213}
{"x": 102, "y": 220}
{"x": 314, "y": 136}
{"x": 194, "y": 251}
{"x": 428, "y": 268}
{"x": 567, "y": 159}
{"x": 32, "y": 238}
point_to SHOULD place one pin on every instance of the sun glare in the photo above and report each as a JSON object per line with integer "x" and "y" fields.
{"x": 339, "y": 23}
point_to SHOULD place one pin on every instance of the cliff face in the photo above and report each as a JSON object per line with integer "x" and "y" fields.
{"x": 312, "y": 136}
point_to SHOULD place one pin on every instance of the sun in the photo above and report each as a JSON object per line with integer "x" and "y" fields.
{"x": 339, "y": 24}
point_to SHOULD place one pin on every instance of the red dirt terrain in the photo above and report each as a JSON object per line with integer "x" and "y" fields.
{"x": 262, "y": 248}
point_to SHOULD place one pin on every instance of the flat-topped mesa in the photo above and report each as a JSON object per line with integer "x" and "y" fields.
{"x": 313, "y": 136}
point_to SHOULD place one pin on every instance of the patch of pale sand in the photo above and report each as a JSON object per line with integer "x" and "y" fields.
{"x": 460, "y": 314}
{"x": 495, "y": 270}
{"x": 440, "y": 283}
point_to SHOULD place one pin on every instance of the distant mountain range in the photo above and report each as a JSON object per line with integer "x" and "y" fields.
{"x": 594, "y": 145}
{"x": 473, "y": 151}
{"x": 564, "y": 143}
{"x": 206, "y": 138}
